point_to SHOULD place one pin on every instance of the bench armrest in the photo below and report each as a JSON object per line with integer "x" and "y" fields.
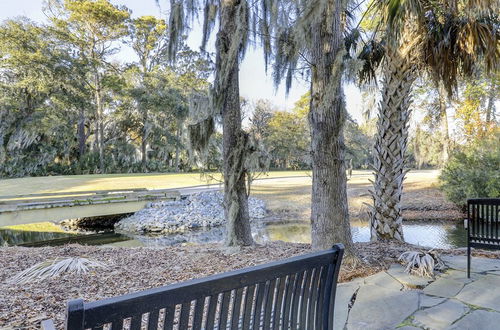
{"x": 48, "y": 325}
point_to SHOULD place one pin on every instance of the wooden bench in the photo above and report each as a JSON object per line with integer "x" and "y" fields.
{"x": 296, "y": 293}
{"x": 483, "y": 227}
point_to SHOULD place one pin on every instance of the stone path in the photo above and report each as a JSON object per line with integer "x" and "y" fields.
{"x": 395, "y": 300}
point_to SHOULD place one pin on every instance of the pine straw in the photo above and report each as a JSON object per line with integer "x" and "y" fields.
{"x": 133, "y": 269}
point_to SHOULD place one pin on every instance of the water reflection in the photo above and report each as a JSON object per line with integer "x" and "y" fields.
{"x": 16, "y": 237}
{"x": 437, "y": 235}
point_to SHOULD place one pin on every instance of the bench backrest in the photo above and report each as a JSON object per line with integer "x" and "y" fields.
{"x": 483, "y": 222}
{"x": 296, "y": 293}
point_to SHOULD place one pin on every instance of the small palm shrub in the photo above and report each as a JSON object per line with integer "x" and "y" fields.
{"x": 53, "y": 268}
{"x": 473, "y": 171}
{"x": 421, "y": 263}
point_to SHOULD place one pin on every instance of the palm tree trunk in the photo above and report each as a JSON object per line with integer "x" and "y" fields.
{"x": 329, "y": 208}
{"x": 234, "y": 139}
{"x": 390, "y": 145}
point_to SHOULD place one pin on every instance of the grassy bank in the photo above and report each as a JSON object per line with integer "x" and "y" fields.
{"x": 74, "y": 183}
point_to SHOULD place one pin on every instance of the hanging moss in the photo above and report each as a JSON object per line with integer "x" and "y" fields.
{"x": 201, "y": 124}
{"x": 200, "y": 133}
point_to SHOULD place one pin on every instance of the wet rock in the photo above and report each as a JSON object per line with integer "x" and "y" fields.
{"x": 93, "y": 223}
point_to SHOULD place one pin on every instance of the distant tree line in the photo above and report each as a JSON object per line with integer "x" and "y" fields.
{"x": 68, "y": 105}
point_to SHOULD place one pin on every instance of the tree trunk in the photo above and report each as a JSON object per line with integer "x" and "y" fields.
{"x": 416, "y": 152}
{"x": 4, "y": 124}
{"x": 391, "y": 143}
{"x": 444, "y": 123}
{"x": 227, "y": 96}
{"x": 490, "y": 108}
{"x": 144, "y": 140}
{"x": 82, "y": 137}
{"x": 327, "y": 116}
{"x": 177, "y": 149}
{"x": 99, "y": 122}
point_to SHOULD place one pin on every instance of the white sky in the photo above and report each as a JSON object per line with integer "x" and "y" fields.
{"x": 254, "y": 83}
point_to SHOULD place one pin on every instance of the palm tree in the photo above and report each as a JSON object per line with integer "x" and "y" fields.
{"x": 445, "y": 39}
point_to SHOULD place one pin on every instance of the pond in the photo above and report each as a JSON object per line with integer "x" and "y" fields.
{"x": 442, "y": 235}
{"x": 449, "y": 234}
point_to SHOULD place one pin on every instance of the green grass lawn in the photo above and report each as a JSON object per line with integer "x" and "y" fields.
{"x": 43, "y": 227}
{"x": 74, "y": 183}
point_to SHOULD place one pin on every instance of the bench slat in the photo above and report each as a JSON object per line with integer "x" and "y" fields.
{"x": 313, "y": 296}
{"x": 153, "y": 320}
{"x": 296, "y": 299}
{"x": 212, "y": 307}
{"x": 168, "y": 318}
{"x": 199, "y": 308}
{"x": 268, "y": 304}
{"x": 304, "y": 300}
{"x": 321, "y": 295}
{"x": 136, "y": 322}
{"x": 278, "y": 304}
{"x": 116, "y": 325}
{"x": 184, "y": 318}
{"x": 226, "y": 298}
{"x": 287, "y": 299}
{"x": 257, "y": 312}
{"x": 249, "y": 302}
{"x": 235, "y": 318}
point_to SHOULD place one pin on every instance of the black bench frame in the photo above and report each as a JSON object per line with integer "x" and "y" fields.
{"x": 483, "y": 225}
{"x": 296, "y": 293}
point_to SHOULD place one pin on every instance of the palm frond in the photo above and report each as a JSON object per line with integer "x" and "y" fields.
{"x": 56, "y": 267}
{"x": 453, "y": 46}
{"x": 372, "y": 55}
{"x": 421, "y": 264}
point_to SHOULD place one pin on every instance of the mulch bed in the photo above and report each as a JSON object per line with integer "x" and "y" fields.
{"x": 134, "y": 269}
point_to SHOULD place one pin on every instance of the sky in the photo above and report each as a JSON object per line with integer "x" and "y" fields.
{"x": 254, "y": 82}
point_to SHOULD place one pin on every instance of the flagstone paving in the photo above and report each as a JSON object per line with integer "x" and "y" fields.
{"x": 395, "y": 300}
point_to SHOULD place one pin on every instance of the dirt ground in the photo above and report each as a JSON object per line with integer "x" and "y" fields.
{"x": 422, "y": 199}
{"x": 128, "y": 270}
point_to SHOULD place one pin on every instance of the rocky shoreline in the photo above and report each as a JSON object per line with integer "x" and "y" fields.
{"x": 198, "y": 211}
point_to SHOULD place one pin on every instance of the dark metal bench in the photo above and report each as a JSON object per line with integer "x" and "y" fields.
{"x": 297, "y": 293}
{"x": 483, "y": 227}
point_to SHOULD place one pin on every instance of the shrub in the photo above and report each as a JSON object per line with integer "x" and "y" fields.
{"x": 473, "y": 171}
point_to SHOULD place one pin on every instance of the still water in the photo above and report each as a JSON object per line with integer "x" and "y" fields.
{"x": 450, "y": 234}
{"x": 442, "y": 235}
